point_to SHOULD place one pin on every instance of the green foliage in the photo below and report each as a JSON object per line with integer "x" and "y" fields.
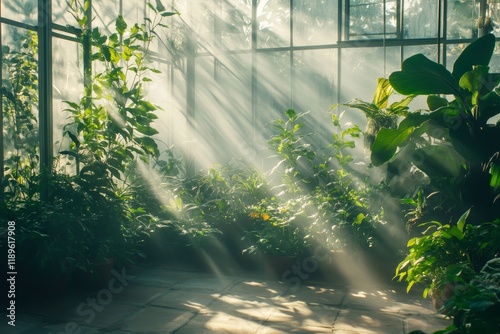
{"x": 20, "y": 111}
{"x": 379, "y": 113}
{"x": 448, "y": 253}
{"x": 310, "y": 196}
{"x": 334, "y": 200}
{"x": 95, "y": 214}
{"x": 208, "y": 202}
{"x": 453, "y": 143}
{"x": 274, "y": 229}
{"x": 475, "y": 305}
{"x": 113, "y": 122}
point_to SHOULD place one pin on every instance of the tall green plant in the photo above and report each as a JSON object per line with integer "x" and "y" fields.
{"x": 462, "y": 153}
{"x": 113, "y": 122}
{"x": 333, "y": 194}
{"x": 19, "y": 111}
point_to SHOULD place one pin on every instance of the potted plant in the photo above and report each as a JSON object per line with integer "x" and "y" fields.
{"x": 476, "y": 304}
{"x": 447, "y": 255}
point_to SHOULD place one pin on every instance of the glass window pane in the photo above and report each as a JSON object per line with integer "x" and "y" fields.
{"x": 462, "y": 19}
{"x": 224, "y": 125}
{"x": 235, "y": 24}
{"x": 362, "y": 66}
{"x": 168, "y": 90}
{"x": 25, "y": 11}
{"x": 273, "y": 20}
{"x": 67, "y": 86}
{"x": 315, "y": 90}
{"x": 366, "y": 19}
{"x": 421, "y": 19}
{"x": 61, "y": 14}
{"x": 201, "y": 20}
{"x": 430, "y": 51}
{"x": 315, "y": 22}
{"x": 105, "y": 13}
{"x": 494, "y": 14}
{"x": 273, "y": 91}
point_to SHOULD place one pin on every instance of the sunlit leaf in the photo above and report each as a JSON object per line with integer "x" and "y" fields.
{"x": 461, "y": 222}
{"x": 382, "y": 93}
{"x": 386, "y": 143}
{"x": 495, "y": 176}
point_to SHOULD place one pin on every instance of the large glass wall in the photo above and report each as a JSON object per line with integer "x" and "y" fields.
{"x": 229, "y": 67}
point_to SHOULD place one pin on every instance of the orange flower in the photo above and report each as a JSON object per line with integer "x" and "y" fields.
{"x": 265, "y": 216}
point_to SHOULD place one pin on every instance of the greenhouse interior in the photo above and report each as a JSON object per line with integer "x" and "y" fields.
{"x": 250, "y": 166}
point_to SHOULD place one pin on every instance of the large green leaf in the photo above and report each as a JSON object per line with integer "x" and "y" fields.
{"x": 386, "y": 143}
{"x": 387, "y": 140}
{"x": 435, "y": 102}
{"x": 422, "y": 76}
{"x": 438, "y": 161}
{"x": 478, "y": 52}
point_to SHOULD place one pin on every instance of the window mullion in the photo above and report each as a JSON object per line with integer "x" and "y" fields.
{"x": 45, "y": 90}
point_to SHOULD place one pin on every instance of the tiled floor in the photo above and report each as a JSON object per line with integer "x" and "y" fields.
{"x": 162, "y": 300}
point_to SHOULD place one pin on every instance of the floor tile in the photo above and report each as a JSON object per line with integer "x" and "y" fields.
{"x": 300, "y": 314}
{"x": 91, "y": 312}
{"x": 427, "y": 324}
{"x": 285, "y": 329}
{"x": 160, "y": 277}
{"x": 206, "y": 283}
{"x": 156, "y": 320}
{"x": 162, "y": 300}
{"x": 193, "y": 301}
{"x": 243, "y": 307}
{"x": 140, "y": 294}
{"x": 318, "y": 295}
{"x": 259, "y": 288}
{"x": 23, "y": 323}
{"x": 220, "y": 322}
{"x": 368, "y": 321}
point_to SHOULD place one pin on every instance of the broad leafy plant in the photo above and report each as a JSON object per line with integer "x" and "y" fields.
{"x": 461, "y": 153}
{"x": 475, "y": 305}
{"x": 379, "y": 113}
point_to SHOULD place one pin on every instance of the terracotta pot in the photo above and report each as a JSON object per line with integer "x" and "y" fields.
{"x": 441, "y": 295}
